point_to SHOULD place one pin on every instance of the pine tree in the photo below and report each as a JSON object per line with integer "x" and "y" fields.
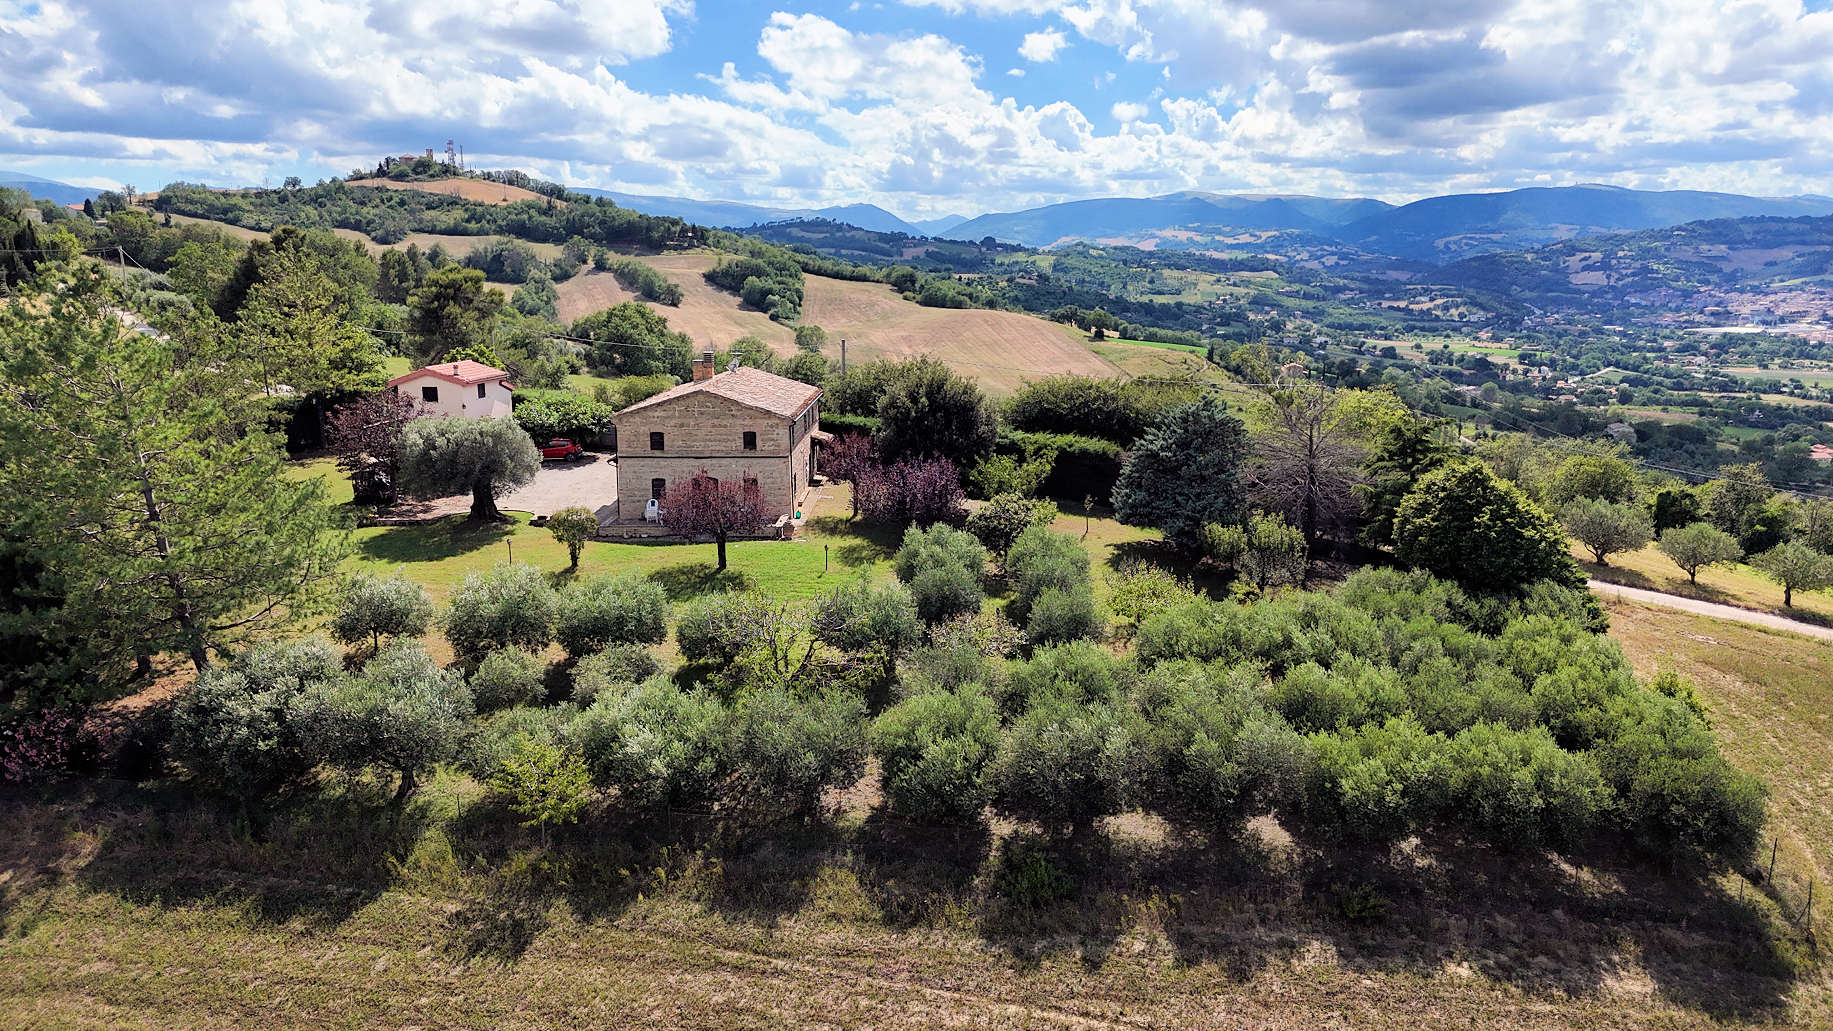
{"x": 136, "y": 468}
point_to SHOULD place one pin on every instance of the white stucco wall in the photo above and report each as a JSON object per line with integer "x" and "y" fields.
{"x": 460, "y": 398}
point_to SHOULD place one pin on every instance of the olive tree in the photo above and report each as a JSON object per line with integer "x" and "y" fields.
{"x": 1796, "y": 567}
{"x": 485, "y": 458}
{"x": 573, "y": 526}
{"x": 627, "y": 609}
{"x": 1606, "y": 528}
{"x": 374, "y": 607}
{"x": 1697, "y": 545}
{"x": 509, "y": 607}
{"x": 402, "y": 713}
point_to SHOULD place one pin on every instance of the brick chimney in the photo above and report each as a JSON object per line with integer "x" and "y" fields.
{"x": 703, "y": 366}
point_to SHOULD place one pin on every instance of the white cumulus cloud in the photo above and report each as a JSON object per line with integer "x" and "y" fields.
{"x": 1041, "y": 47}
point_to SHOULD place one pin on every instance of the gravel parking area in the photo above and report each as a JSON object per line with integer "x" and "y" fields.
{"x": 590, "y": 483}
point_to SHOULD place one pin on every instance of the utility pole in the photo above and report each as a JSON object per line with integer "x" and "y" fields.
{"x": 843, "y": 356}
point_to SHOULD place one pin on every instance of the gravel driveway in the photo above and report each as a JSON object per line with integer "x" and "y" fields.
{"x": 590, "y": 483}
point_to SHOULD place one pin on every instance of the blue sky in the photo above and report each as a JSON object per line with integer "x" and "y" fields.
{"x": 933, "y": 106}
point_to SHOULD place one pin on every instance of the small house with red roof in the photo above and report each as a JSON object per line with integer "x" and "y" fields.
{"x": 741, "y": 424}
{"x": 467, "y": 389}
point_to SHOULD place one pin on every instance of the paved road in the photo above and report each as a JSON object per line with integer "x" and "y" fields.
{"x": 1707, "y": 608}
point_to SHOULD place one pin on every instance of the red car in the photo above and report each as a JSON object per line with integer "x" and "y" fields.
{"x": 561, "y": 450}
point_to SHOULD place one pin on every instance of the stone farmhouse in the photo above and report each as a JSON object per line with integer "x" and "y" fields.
{"x": 741, "y": 423}
{"x": 466, "y": 389}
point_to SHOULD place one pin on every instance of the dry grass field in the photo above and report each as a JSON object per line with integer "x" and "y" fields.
{"x": 1000, "y": 349}
{"x": 469, "y": 189}
{"x": 1770, "y": 696}
{"x": 1738, "y": 585}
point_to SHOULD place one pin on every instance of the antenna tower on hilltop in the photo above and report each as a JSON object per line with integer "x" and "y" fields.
{"x": 451, "y": 155}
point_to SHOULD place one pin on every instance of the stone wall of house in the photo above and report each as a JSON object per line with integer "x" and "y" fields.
{"x": 707, "y": 432}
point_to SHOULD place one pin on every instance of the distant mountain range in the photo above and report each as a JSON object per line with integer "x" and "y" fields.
{"x": 734, "y": 215}
{"x": 50, "y": 189}
{"x": 1435, "y": 229}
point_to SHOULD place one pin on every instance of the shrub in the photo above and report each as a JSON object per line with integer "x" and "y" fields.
{"x": 1212, "y": 757}
{"x": 1265, "y": 551}
{"x": 718, "y": 628}
{"x": 544, "y": 415}
{"x": 508, "y": 678}
{"x": 242, "y": 730}
{"x": 1065, "y": 765}
{"x": 944, "y": 593}
{"x": 1059, "y": 615}
{"x": 1679, "y": 800}
{"x": 925, "y": 549}
{"x": 1139, "y": 590}
{"x": 786, "y": 750}
{"x": 510, "y": 607}
{"x": 488, "y": 746}
{"x": 655, "y": 745}
{"x": 1517, "y": 789}
{"x": 933, "y": 750}
{"x": 626, "y": 609}
{"x": 42, "y": 744}
{"x": 402, "y": 713}
{"x": 1041, "y": 560}
{"x": 547, "y": 784}
{"x": 861, "y": 619}
{"x": 1006, "y": 474}
{"x": 999, "y": 522}
{"x": 1084, "y": 466}
{"x": 573, "y": 526}
{"x": 611, "y": 672}
{"x": 1376, "y": 782}
{"x": 380, "y": 606}
{"x": 1078, "y": 671}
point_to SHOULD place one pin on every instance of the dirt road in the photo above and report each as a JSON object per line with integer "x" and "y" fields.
{"x": 1706, "y": 608}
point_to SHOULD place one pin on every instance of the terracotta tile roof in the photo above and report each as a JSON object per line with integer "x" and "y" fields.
{"x": 753, "y": 388}
{"x": 466, "y": 372}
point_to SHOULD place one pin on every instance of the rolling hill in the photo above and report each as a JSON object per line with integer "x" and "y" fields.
{"x": 1653, "y": 264}
{"x": 1001, "y": 349}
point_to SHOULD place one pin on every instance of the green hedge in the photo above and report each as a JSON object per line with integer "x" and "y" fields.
{"x": 1085, "y": 466}
{"x": 833, "y": 422}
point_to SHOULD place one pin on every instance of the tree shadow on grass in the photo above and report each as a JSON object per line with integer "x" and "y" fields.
{"x": 1535, "y": 922}
{"x": 319, "y": 858}
{"x": 856, "y": 543}
{"x": 919, "y": 876}
{"x": 696, "y": 579}
{"x": 433, "y": 542}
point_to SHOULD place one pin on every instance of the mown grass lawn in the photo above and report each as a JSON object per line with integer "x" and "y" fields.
{"x": 1738, "y": 585}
